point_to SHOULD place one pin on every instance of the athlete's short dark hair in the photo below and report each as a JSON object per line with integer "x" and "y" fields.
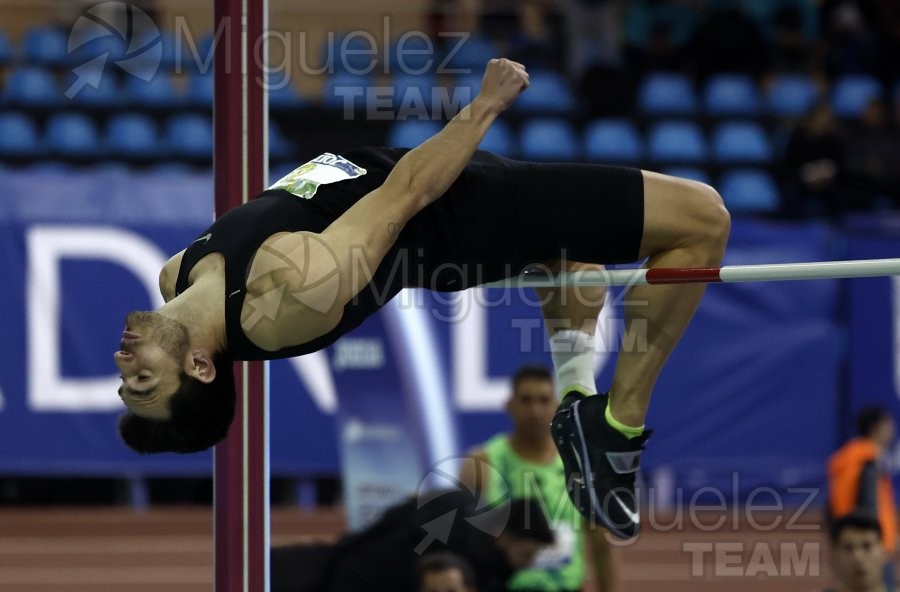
{"x": 855, "y": 522}
{"x": 442, "y": 561}
{"x": 200, "y": 416}
{"x": 869, "y": 419}
{"x": 531, "y": 372}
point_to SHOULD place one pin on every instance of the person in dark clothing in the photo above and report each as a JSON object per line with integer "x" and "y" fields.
{"x": 872, "y": 157}
{"x": 444, "y": 572}
{"x": 814, "y": 158}
{"x": 496, "y": 540}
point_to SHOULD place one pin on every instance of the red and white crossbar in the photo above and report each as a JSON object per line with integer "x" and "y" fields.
{"x": 705, "y": 275}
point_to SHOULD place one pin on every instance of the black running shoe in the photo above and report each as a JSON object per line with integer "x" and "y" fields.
{"x": 601, "y": 463}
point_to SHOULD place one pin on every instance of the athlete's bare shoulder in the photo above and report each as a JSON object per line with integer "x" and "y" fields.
{"x": 168, "y": 276}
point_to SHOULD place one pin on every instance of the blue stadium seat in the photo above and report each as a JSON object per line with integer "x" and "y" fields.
{"x": 132, "y": 135}
{"x": 741, "y": 142}
{"x": 548, "y": 140}
{"x": 201, "y": 88}
{"x": 350, "y": 54}
{"x": 72, "y": 135}
{"x": 18, "y": 135}
{"x": 548, "y": 92}
{"x": 851, "y": 94}
{"x": 613, "y": 141}
{"x": 692, "y": 173}
{"x": 749, "y": 191}
{"x": 347, "y": 88}
{"x": 792, "y": 95}
{"x": 284, "y": 95}
{"x": 156, "y": 92}
{"x": 666, "y": 93}
{"x": 677, "y": 142}
{"x": 32, "y": 87}
{"x": 471, "y": 56}
{"x": 418, "y": 55}
{"x": 107, "y": 93}
{"x": 413, "y": 91}
{"x": 732, "y": 94}
{"x": 499, "y": 139}
{"x": 189, "y": 136}
{"x": 411, "y": 132}
{"x": 280, "y": 147}
{"x": 6, "y": 54}
{"x": 45, "y": 46}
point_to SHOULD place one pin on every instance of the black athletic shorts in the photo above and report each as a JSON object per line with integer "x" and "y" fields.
{"x": 502, "y": 216}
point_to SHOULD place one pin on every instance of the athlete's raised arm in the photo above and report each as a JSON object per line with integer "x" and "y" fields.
{"x": 325, "y": 271}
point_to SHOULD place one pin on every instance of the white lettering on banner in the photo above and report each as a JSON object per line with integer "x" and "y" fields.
{"x": 312, "y": 369}
{"x": 46, "y": 246}
{"x": 358, "y": 353}
{"x": 895, "y": 299}
{"x": 474, "y": 389}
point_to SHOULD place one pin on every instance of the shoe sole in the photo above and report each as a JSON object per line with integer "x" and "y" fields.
{"x": 572, "y": 464}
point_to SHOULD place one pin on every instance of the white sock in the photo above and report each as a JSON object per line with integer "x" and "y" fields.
{"x": 573, "y": 359}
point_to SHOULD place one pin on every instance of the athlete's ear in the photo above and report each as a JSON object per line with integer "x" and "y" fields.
{"x": 202, "y": 367}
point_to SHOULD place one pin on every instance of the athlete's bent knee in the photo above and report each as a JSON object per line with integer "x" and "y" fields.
{"x": 712, "y": 220}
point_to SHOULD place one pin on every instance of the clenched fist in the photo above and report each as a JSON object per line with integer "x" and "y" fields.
{"x": 503, "y": 81}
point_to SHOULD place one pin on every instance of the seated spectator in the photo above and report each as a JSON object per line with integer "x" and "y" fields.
{"x": 873, "y": 157}
{"x": 857, "y": 558}
{"x": 382, "y": 558}
{"x": 850, "y": 28}
{"x": 444, "y": 572}
{"x": 814, "y": 158}
{"x": 656, "y": 34}
{"x": 792, "y": 47}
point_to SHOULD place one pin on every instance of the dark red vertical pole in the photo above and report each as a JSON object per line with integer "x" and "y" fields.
{"x": 241, "y": 472}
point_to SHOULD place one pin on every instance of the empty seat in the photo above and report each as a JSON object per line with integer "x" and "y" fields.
{"x": 284, "y": 95}
{"x": 200, "y": 89}
{"x": 852, "y": 93}
{"x": 413, "y": 91}
{"x": 350, "y": 54}
{"x": 189, "y": 136}
{"x": 280, "y": 147}
{"x": 73, "y": 135}
{"x": 792, "y": 95}
{"x": 471, "y": 55}
{"x": 412, "y": 132}
{"x": 692, "y": 173}
{"x": 749, "y": 191}
{"x": 677, "y": 142}
{"x": 6, "y": 55}
{"x": 732, "y": 94}
{"x": 499, "y": 139}
{"x": 412, "y": 53}
{"x": 741, "y": 142}
{"x": 32, "y": 87}
{"x": 158, "y": 91}
{"x": 132, "y": 135}
{"x": 547, "y": 92}
{"x": 548, "y": 140}
{"x": 613, "y": 141}
{"x": 18, "y": 135}
{"x": 342, "y": 90}
{"x": 45, "y": 46}
{"x": 94, "y": 87}
{"x": 667, "y": 94}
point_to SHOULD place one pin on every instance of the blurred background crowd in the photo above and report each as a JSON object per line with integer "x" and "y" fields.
{"x": 789, "y": 107}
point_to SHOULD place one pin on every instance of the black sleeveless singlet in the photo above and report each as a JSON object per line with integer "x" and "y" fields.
{"x": 241, "y": 231}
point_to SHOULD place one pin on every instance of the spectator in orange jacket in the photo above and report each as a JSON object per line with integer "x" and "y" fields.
{"x": 859, "y": 478}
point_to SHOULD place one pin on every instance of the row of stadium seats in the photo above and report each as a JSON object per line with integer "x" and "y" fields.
{"x": 659, "y": 94}
{"x": 126, "y": 135}
{"x": 408, "y": 52}
{"x": 613, "y": 140}
{"x": 136, "y": 135}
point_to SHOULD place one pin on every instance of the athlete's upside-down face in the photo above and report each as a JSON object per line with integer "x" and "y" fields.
{"x": 151, "y": 361}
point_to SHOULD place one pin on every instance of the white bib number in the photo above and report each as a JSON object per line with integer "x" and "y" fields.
{"x": 327, "y": 168}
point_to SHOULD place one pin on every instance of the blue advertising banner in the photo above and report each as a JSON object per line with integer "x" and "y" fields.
{"x": 750, "y": 397}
